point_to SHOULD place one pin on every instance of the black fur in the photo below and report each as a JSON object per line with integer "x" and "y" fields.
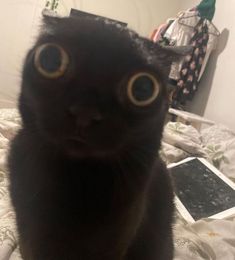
{"x": 111, "y": 199}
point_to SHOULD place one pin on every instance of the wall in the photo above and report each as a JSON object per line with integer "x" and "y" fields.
{"x": 142, "y": 16}
{"x": 19, "y": 22}
{"x": 17, "y": 27}
{"x": 216, "y": 97}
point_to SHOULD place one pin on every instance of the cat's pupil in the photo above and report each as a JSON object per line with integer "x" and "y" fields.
{"x": 50, "y": 59}
{"x": 143, "y": 88}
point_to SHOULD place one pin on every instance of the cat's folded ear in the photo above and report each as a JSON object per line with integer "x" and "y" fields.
{"x": 175, "y": 54}
{"x": 50, "y": 18}
{"x": 164, "y": 56}
{"x": 178, "y": 52}
{"x": 171, "y": 53}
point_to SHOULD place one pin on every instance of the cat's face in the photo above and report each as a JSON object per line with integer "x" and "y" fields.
{"x": 93, "y": 89}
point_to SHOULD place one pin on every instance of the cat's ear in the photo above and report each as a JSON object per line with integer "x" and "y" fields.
{"x": 174, "y": 54}
{"x": 177, "y": 52}
{"x": 163, "y": 57}
{"x": 50, "y": 21}
{"x": 171, "y": 53}
{"x": 50, "y": 18}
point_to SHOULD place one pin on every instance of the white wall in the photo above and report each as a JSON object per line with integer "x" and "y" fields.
{"x": 17, "y": 26}
{"x": 142, "y": 16}
{"x": 216, "y": 96}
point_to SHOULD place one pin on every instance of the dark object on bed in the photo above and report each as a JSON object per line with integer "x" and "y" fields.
{"x": 202, "y": 192}
{"x": 86, "y": 179}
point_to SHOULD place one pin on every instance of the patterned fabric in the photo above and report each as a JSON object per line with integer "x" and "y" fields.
{"x": 189, "y": 75}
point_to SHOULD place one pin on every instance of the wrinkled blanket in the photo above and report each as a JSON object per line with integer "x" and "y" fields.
{"x": 205, "y": 239}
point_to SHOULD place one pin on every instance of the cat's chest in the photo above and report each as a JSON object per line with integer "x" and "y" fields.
{"x": 89, "y": 193}
{"x": 88, "y": 190}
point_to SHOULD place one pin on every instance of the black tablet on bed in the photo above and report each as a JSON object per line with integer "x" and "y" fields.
{"x": 201, "y": 190}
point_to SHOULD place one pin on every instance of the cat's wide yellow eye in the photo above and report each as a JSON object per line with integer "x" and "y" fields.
{"x": 142, "y": 89}
{"x": 51, "y": 60}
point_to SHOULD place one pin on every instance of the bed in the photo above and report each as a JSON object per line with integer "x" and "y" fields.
{"x": 190, "y": 135}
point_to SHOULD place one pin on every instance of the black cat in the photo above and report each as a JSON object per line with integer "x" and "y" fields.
{"x": 87, "y": 182}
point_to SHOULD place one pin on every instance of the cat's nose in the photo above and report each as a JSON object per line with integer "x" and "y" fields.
{"x": 85, "y": 117}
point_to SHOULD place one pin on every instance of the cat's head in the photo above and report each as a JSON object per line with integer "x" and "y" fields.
{"x": 93, "y": 89}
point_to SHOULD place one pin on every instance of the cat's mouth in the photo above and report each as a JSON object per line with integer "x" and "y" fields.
{"x": 77, "y": 143}
{"x": 77, "y": 140}
{"x": 79, "y": 147}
